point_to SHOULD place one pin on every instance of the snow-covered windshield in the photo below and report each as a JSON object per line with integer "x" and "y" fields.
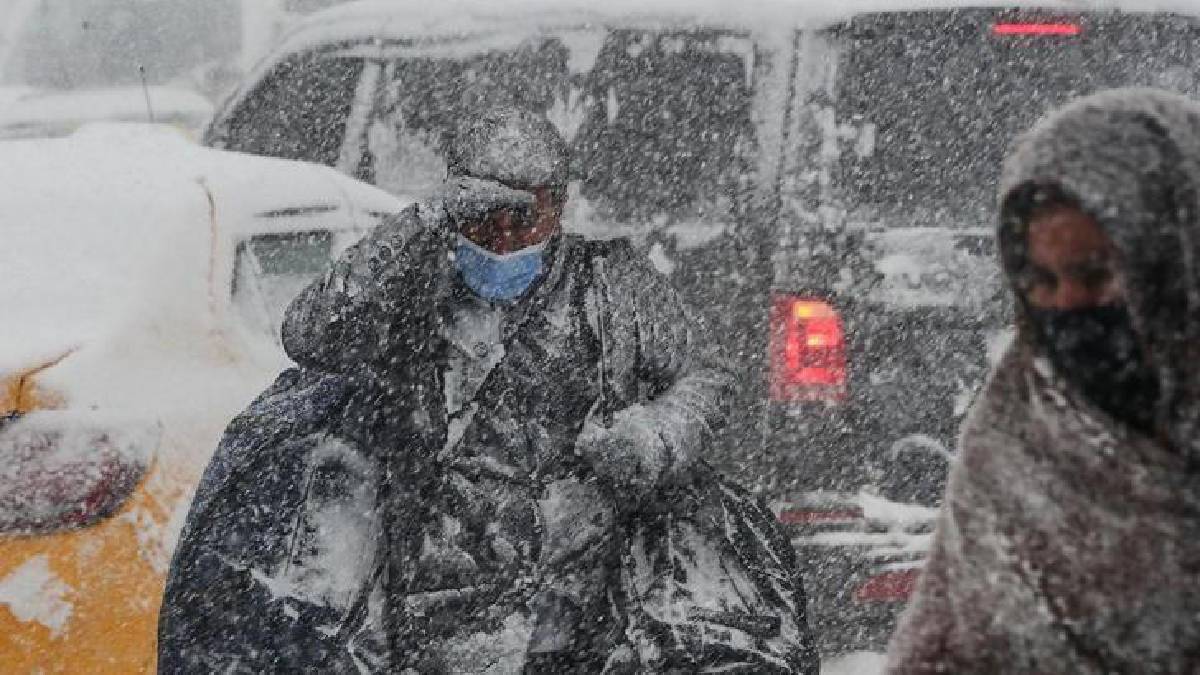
{"x": 644, "y": 152}
{"x": 647, "y": 148}
{"x": 73, "y": 44}
{"x": 932, "y": 99}
{"x": 643, "y": 149}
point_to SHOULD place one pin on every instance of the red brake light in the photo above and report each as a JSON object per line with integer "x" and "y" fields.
{"x": 1036, "y": 29}
{"x": 58, "y": 475}
{"x": 894, "y": 586}
{"x": 807, "y": 351}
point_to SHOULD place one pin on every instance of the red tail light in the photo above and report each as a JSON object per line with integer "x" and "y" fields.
{"x": 1036, "y": 29}
{"x": 894, "y": 586}
{"x": 807, "y": 351}
{"x": 58, "y": 474}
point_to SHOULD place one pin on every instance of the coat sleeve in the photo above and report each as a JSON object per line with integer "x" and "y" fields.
{"x": 378, "y": 290}
{"x": 686, "y": 382}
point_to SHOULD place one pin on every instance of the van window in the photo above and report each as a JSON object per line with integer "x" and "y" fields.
{"x": 905, "y": 136}
{"x": 668, "y": 128}
{"x": 660, "y": 121}
{"x": 298, "y": 111}
{"x": 927, "y": 102}
{"x": 423, "y": 98}
{"x": 645, "y": 148}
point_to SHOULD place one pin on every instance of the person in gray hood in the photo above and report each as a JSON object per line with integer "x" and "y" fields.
{"x": 1069, "y": 540}
{"x": 489, "y": 460}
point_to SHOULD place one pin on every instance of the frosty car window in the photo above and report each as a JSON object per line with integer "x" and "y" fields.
{"x": 270, "y": 269}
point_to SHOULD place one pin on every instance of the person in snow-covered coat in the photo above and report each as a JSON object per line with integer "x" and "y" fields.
{"x": 1069, "y": 540}
{"x": 489, "y": 460}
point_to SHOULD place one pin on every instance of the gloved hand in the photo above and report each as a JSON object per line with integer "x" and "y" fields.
{"x": 469, "y": 200}
{"x": 630, "y": 454}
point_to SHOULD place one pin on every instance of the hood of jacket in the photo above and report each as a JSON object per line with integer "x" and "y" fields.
{"x": 1130, "y": 158}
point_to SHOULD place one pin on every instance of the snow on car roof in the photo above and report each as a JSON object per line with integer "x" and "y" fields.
{"x": 418, "y": 20}
{"x": 406, "y": 18}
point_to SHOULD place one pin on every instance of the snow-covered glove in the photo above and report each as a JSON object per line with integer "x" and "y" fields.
{"x": 629, "y": 454}
{"x": 470, "y": 200}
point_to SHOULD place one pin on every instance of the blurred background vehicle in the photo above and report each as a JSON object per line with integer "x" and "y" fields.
{"x": 820, "y": 183}
{"x": 144, "y": 282}
{"x": 910, "y": 114}
{"x": 66, "y": 62}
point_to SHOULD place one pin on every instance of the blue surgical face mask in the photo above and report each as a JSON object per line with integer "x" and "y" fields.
{"x": 494, "y": 276}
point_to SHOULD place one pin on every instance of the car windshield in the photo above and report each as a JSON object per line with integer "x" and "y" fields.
{"x": 926, "y": 103}
{"x": 643, "y": 152}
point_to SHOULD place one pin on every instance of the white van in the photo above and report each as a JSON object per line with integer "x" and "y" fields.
{"x": 142, "y": 282}
{"x": 819, "y": 177}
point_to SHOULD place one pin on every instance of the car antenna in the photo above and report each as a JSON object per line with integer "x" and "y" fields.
{"x": 146, "y": 93}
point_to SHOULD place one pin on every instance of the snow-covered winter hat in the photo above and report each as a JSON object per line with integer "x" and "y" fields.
{"x": 511, "y": 146}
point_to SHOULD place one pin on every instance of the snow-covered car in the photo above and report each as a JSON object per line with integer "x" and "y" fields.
{"x": 143, "y": 279}
{"x": 49, "y": 113}
{"x": 818, "y": 178}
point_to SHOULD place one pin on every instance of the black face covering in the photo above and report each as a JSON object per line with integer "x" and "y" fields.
{"x": 1097, "y": 349}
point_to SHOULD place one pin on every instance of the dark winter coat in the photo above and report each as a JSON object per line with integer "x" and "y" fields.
{"x": 1068, "y": 542}
{"x": 503, "y": 551}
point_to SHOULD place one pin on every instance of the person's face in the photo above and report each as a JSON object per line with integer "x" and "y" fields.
{"x": 1072, "y": 262}
{"x": 502, "y": 232}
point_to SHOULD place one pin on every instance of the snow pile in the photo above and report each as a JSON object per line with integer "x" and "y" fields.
{"x": 906, "y": 516}
{"x": 895, "y": 534}
{"x": 32, "y": 592}
{"x": 108, "y": 245}
{"x": 930, "y": 267}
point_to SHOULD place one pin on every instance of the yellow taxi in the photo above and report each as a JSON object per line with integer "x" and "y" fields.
{"x": 142, "y": 282}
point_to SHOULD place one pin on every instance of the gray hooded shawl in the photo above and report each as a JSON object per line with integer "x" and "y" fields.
{"x": 1069, "y": 543}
